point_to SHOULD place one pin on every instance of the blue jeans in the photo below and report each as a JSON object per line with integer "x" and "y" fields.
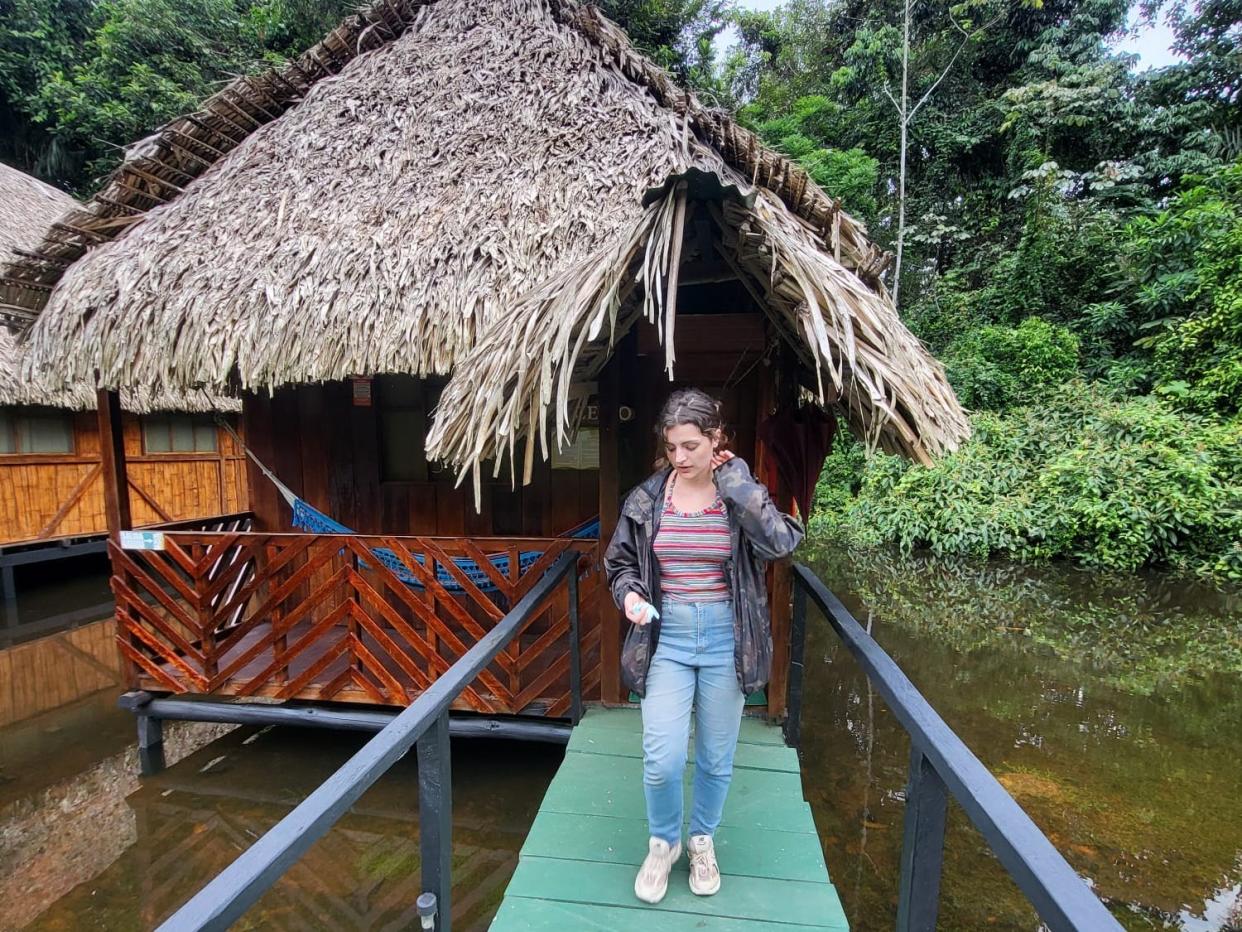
{"x": 693, "y": 663}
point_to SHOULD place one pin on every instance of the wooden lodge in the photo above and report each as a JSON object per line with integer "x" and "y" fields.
{"x": 182, "y": 465}
{"x": 450, "y": 330}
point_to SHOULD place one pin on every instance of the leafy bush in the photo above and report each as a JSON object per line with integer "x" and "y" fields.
{"x": 1182, "y": 274}
{"x": 850, "y": 174}
{"x": 998, "y": 367}
{"x": 842, "y": 473}
{"x": 1111, "y": 484}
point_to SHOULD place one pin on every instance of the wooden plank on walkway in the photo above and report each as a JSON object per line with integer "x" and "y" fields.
{"x": 530, "y": 915}
{"x": 598, "y": 784}
{"x": 629, "y": 743}
{"x": 741, "y": 850}
{"x": 578, "y": 862}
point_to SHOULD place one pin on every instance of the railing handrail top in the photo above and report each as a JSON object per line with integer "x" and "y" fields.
{"x": 1025, "y": 850}
{"x": 239, "y": 885}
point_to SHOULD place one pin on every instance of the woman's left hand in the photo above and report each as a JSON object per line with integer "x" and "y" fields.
{"x": 720, "y": 457}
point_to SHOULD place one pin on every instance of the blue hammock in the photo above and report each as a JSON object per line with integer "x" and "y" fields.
{"x": 314, "y": 521}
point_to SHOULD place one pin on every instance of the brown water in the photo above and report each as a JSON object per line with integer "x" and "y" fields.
{"x": 1103, "y": 705}
{"x": 1125, "y": 755}
{"x": 106, "y": 851}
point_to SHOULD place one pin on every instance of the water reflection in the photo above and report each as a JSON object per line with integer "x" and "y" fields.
{"x": 1101, "y": 703}
{"x": 179, "y": 829}
{"x": 1127, "y": 759}
{"x": 60, "y": 833}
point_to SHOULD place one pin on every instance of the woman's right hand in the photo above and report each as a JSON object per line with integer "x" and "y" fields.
{"x": 636, "y": 608}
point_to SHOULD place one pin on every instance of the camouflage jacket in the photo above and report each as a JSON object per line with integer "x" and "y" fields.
{"x": 759, "y": 533}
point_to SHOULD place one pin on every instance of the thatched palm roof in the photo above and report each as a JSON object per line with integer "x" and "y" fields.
{"x": 389, "y": 201}
{"x": 28, "y": 207}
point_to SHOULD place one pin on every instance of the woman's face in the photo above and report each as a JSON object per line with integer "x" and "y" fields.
{"x": 689, "y": 450}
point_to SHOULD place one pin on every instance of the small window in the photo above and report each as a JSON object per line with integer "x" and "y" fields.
{"x": 33, "y": 432}
{"x": 405, "y": 405}
{"x": 178, "y": 433}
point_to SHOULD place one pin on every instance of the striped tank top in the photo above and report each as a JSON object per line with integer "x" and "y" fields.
{"x": 692, "y": 549}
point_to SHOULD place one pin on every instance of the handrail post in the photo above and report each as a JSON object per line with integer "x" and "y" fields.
{"x": 797, "y": 651}
{"x": 575, "y": 651}
{"x": 435, "y": 816}
{"x": 922, "y": 847}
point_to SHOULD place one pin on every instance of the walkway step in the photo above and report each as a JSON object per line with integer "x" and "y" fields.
{"x": 554, "y": 916}
{"x": 577, "y": 865}
{"x": 793, "y": 902}
{"x": 742, "y": 850}
{"x": 613, "y": 786}
{"x": 628, "y": 742}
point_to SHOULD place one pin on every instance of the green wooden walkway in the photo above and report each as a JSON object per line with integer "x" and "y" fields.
{"x": 578, "y": 863}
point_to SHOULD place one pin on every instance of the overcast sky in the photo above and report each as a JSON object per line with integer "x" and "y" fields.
{"x": 1151, "y": 46}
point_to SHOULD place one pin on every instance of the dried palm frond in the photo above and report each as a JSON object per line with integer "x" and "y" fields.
{"x": 523, "y": 369}
{"x": 27, "y": 208}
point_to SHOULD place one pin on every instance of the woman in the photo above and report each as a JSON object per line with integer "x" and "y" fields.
{"x": 686, "y": 565}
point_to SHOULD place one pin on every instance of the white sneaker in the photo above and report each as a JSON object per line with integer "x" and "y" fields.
{"x": 704, "y": 872}
{"x": 652, "y": 881}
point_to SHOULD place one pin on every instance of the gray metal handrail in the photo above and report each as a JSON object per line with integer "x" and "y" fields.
{"x": 942, "y": 764}
{"x": 425, "y": 724}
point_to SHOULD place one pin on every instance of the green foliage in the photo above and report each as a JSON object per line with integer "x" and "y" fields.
{"x": 841, "y": 476}
{"x": 80, "y": 81}
{"x": 849, "y": 174}
{"x": 998, "y": 367}
{"x": 676, "y": 34}
{"x": 1182, "y": 272}
{"x": 1108, "y": 484}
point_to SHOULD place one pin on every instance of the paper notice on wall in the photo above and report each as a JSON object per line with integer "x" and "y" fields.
{"x": 583, "y": 453}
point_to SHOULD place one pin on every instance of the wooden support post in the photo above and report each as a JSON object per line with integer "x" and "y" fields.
{"x": 435, "y": 816}
{"x": 772, "y": 397}
{"x": 112, "y": 452}
{"x": 922, "y": 847}
{"x": 150, "y": 731}
{"x": 222, "y": 498}
{"x": 150, "y": 744}
{"x": 609, "y": 511}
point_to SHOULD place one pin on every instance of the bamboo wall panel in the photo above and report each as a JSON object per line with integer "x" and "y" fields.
{"x": 31, "y": 494}
{"x": 56, "y": 670}
{"x": 36, "y": 489}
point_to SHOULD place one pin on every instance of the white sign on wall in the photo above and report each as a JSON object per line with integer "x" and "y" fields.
{"x": 142, "y": 540}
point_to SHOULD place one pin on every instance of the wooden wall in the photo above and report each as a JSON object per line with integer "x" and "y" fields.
{"x": 327, "y": 450}
{"x": 48, "y": 495}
